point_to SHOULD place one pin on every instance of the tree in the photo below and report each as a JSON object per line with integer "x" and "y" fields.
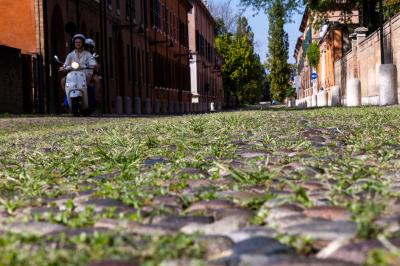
{"x": 224, "y": 14}
{"x": 242, "y": 72}
{"x": 368, "y": 8}
{"x": 313, "y": 54}
{"x": 278, "y": 47}
{"x": 243, "y": 29}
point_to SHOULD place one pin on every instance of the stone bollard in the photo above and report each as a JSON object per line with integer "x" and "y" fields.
{"x": 147, "y": 106}
{"x": 177, "y": 108}
{"x": 335, "y": 96}
{"x": 164, "y": 107}
{"x": 118, "y": 105}
{"x": 127, "y": 105}
{"x": 170, "y": 107}
{"x": 323, "y": 98}
{"x": 308, "y": 101}
{"x": 314, "y": 100}
{"x": 353, "y": 92}
{"x": 187, "y": 108}
{"x": 137, "y": 107}
{"x": 157, "y": 106}
{"x": 388, "y": 84}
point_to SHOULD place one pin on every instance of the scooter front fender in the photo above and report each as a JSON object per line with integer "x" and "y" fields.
{"x": 75, "y": 93}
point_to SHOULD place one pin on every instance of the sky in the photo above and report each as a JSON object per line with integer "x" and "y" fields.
{"x": 259, "y": 25}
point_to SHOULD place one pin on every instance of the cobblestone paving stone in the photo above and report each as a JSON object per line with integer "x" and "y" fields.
{"x": 270, "y": 187}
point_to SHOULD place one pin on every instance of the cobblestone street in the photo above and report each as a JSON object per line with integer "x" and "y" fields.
{"x": 262, "y": 187}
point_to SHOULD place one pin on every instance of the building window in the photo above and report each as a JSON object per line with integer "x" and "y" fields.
{"x": 109, "y": 3}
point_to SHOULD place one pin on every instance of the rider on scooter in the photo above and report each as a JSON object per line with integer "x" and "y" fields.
{"x": 79, "y": 55}
{"x": 90, "y": 46}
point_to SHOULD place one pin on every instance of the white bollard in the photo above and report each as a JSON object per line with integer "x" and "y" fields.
{"x": 323, "y": 98}
{"x": 353, "y": 92}
{"x": 308, "y": 101}
{"x": 335, "y": 96}
{"x": 314, "y": 100}
{"x": 388, "y": 84}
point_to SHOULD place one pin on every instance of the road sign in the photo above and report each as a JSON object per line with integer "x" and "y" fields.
{"x": 314, "y": 75}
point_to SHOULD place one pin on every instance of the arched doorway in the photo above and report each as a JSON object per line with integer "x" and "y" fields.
{"x": 57, "y": 47}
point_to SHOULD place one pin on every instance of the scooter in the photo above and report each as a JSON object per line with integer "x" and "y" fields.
{"x": 76, "y": 89}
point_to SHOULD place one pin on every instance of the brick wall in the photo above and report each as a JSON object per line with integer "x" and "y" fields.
{"x": 17, "y": 24}
{"x": 11, "y": 96}
{"x": 368, "y": 59}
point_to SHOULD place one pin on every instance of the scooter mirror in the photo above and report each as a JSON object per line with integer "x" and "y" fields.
{"x": 57, "y": 59}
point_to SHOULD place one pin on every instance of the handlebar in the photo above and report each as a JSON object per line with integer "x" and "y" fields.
{"x": 69, "y": 68}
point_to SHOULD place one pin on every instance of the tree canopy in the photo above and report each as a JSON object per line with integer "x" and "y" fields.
{"x": 370, "y": 12}
{"x": 242, "y": 72}
{"x": 278, "y": 48}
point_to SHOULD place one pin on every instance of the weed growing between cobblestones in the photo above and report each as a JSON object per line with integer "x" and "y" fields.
{"x": 150, "y": 169}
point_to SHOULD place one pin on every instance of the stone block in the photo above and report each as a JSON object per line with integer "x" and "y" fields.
{"x": 138, "y": 106}
{"x": 314, "y": 100}
{"x": 335, "y": 96}
{"x": 157, "y": 106}
{"x": 127, "y": 105}
{"x": 170, "y": 107}
{"x": 164, "y": 107}
{"x": 388, "y": 84}
{"x": 147, "y": 106}
{"x": 308, "y": 101}
{"x": 353, "y": 92}
{"x": 177, "y": 108}
{"x": 322, "y": 98}
{"x": 118, "y": 105}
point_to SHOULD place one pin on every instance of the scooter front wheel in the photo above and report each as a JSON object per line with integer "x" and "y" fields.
{"x": 76, "y": 106}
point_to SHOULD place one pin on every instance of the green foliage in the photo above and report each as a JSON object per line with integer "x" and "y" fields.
{"x": 278, "y": 46}
{"x": 242, "y": 72}
{"x": 313, "y": 54}
{"x": 289, "y": 6}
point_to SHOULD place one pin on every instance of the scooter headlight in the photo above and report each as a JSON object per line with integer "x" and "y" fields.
{"x": 75, "y": 65}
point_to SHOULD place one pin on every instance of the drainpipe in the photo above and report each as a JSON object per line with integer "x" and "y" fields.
{"x": 46, "y": 55}
{"x": 105, "y": 63}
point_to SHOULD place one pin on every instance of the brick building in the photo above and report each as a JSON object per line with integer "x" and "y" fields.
{"x": 333, "y": 41}
{"x": 206, "y": 80}
{"x": 17, "y": 49}
{"x": 140, "y": 43}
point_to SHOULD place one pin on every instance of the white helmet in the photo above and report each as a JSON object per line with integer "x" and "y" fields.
{"x": 79, "y": 36}
{"x": 90, "y": 42}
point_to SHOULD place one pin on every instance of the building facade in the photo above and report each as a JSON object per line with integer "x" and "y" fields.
{"x": 143, "y": 46}
{"x": 205, "y": 74}
{"x": 333, "y": 41}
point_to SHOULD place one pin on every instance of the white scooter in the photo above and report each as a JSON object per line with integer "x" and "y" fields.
{"x": 76, "y": 89}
